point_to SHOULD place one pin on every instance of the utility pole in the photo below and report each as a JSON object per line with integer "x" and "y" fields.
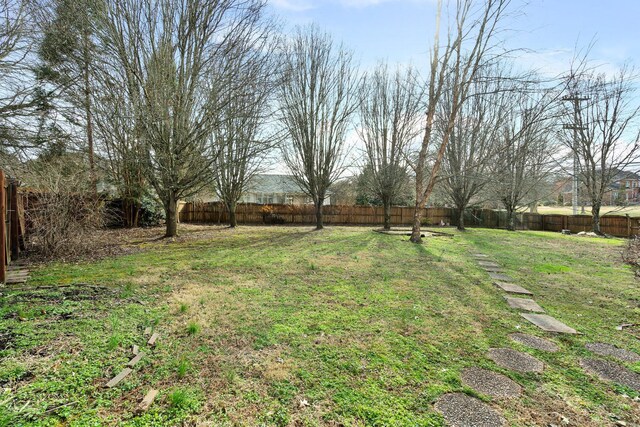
{"x": 575, "y": 127}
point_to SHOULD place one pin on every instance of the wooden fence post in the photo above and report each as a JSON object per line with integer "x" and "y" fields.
{"x": 628, "y": 226}
{"x": 3, "y": 230}
{"x": 15, "y": 248}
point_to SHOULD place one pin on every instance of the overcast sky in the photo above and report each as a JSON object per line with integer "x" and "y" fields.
{"x": 401, "y": 30}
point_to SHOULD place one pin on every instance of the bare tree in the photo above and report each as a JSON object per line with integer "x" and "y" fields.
{"x": 169, "y": 51}
{"x": 604, "y": 135}
{"x": 241, "y": 138}
{"x": 317, "y": 99}
{"x": 390, "y": 116}
{"x": 468, "y": 161}
{"x": 119, "y": 139}
{"x": 526, "y": 152}
{"x": 19, "y": 98}
{"x": 453, "y": 67}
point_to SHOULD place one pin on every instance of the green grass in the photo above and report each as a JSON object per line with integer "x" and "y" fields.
{"x": 367, "y": 328}
{"x": 632, "y": 211}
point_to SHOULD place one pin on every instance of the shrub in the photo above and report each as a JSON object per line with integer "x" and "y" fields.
{"x": 61, "y": 210}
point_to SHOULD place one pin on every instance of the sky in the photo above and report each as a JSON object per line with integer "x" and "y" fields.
{"x": 548, "y": 31}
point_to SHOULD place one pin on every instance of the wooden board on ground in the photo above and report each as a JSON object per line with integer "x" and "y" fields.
{"x": 153, "y": 339}
{"x": 147, "y": 401}
{"x": 115, "y": 380}
{"x": 136, "y": 359}
{"x": 514, "y": 289}
{"x": 135, "y": 350}
{"x": 525, "y": 304}
{"x": 548, "y": 323}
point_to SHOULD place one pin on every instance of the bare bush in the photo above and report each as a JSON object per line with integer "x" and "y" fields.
{"x": 61, "y": 210}
{"x": 631, "y": 254}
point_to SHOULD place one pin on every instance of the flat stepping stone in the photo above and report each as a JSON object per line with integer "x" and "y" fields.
{"x": 525, "y": 304}
{"x": 515, "y": 360}
{"x": 115, "y": 380}
{"x": 611, "y": 371}
{"x": 621, "y": 354}
{"x": 488, "y": 264}
{"x": 478, "y": 255}
{"x": 461, "y": 410}
{"x": 490, "y": 383}
{"x": 548, "y": 323}
{"x": 511, "y": 288}
{"x": 492, "y": 269}
{"x": 535, "y": 342}
{"x": 501, "y": 277}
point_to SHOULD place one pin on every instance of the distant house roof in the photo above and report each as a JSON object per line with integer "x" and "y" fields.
{"x": 263, "y": 183}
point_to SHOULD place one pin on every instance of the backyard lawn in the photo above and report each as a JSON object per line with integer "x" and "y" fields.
{"x": 632, "y": 211}
{"x": 284, "y": 326}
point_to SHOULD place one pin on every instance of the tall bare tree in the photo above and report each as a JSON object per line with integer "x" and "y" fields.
{"x": 526, "y": 150}
{"x": 241, "y": 137}
{"x": 317, "y": 98}
{"x": 604, "y": 134}
{"x": 467, "y": 165}
{"x": 169, "y": 50}
{"x": 453, "y": 67}
{"x": 118, "y": 139}
{"x": 390, "y": 118}
{"x": 20, "y": 100}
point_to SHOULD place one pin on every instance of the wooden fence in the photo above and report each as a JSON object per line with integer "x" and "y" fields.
{"x": 216, "y": 213}
{"x": 11, "y": 223}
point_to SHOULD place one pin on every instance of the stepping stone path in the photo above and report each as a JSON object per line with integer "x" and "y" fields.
{"x": 610, "y": 371}
{"x": 460, "y": 410}
{"x": 524, "y": 304}
{"x": 535, "y": 342}
{"x": 490, "y": 383}
{"x": 501, "y": 277}
{"x": 514, "y": 360}
{"x": 548, "y": 323}
{"x": 514, "y": 289}
{"x": 611, "y": 350}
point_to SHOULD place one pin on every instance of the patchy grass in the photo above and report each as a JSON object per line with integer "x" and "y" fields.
{"x": 293, "y": 327}
{"x": 632, "y": 211}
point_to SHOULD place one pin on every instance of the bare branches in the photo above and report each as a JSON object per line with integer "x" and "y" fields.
{"x": 454, "y": 67}
{"x": 604, "y": 136}
{"x": 171, "y": 52}
{"x": 390, "y": 119}
{"x": 317, "y": 99}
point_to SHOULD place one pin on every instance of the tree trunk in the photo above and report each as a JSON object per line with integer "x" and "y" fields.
{"x": 461, "y": 218}
{"x": 511, "y": 220}
{"x": 232, "y": 215}
{"x": 89, "y": 116}
{"x": 319, "y": 221}
{"x": 416, "y": 233}
{"x": 595, "y": 218}
{"x": 387, "y": 214}
{"x": 171, "y": 210}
